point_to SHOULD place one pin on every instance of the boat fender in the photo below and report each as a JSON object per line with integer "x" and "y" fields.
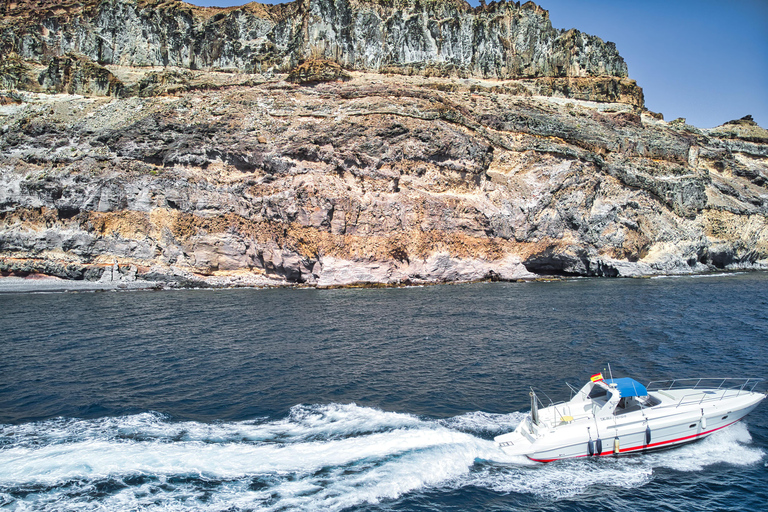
{"x": 648, "y": 435}
{"x": 616, "y": 445}
{"x": 703, "y": 421}
{"x": 591, "y": 447}
{"x": 598, "y": 447}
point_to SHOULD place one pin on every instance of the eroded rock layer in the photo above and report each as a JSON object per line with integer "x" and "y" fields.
{"x": 333, "y": 176}
{"x": 377, "y": 179}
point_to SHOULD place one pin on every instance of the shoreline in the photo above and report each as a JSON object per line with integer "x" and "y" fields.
{"x": 52, "y": 284}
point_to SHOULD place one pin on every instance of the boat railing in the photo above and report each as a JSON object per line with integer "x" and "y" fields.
{"x": 711, "y": 388}
{"x": 559, "y": 409}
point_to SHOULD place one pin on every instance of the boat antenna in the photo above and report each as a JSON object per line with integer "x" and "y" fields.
{"x": 609, "y": 371}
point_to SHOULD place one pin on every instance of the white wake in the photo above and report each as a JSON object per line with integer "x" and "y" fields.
{"x": 320, "y": 457}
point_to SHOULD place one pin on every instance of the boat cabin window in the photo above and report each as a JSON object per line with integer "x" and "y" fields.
{"x": 598, "y": 392}
{"x": 648, "y": 401}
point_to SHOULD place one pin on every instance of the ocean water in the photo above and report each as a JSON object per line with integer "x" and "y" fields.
{"x": 364, "y": 399}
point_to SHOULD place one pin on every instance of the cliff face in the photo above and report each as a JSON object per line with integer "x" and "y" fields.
{"x": 341, "y": 177}
{"x": 443, "y": 37}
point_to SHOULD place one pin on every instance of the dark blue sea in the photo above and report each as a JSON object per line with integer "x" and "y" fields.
{"x": 363, "y": 399}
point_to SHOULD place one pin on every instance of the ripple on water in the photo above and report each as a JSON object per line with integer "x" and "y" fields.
{"x": 403, "y": 392}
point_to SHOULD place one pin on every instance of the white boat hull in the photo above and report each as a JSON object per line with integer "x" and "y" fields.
{"x": 677, "y": 419}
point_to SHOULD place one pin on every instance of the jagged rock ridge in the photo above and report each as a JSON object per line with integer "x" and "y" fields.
{"x": 504, "y": 40}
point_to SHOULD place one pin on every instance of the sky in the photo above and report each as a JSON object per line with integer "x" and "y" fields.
{"x": 704, "y": 60}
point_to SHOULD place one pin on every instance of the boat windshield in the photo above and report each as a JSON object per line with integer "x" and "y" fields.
{"x": 648, "y": 401}
{"x": 598, "y": 392}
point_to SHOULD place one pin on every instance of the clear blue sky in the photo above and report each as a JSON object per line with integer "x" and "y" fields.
{"x": 705, "y": 60}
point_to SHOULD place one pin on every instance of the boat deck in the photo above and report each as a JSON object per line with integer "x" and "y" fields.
{"x": 699, "y": 391}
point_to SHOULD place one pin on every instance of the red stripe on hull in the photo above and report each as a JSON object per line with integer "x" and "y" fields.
{"x": 644, "y": 447}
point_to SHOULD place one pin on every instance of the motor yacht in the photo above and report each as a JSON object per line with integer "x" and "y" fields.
{"x": 622, "y": 416}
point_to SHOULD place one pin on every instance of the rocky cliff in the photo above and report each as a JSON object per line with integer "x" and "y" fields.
{"x": 447, "y": 37}
{"x": 523, "y": 154}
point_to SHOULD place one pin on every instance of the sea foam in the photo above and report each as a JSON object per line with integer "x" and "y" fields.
{"x": 319, "y": 457}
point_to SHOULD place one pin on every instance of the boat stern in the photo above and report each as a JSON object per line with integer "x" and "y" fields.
{"x": 515, "y": 443}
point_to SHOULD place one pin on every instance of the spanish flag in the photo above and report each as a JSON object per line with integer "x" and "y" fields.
{"x": 596, "y": 377}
